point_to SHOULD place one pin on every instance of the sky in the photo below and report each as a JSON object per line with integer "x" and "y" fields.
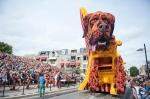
{"x": 31, "y": 26}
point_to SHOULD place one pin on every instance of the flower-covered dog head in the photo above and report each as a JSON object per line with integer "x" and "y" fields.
{"x": 98, "y": 29}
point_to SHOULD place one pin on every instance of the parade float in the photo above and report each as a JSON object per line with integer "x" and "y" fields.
{"x": 105, "y": 70}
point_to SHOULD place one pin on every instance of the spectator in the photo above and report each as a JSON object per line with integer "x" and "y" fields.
{"x": 146, "y": 90}
{"x": 128, "y": 83}
{"x": 134, "y": 91}
{"x": 131, "y": 92}
{"x": 47, "y": 79}
{"x": 41, "y": 83}
{"x": 55, "y": 77}
{"x": 59, "y": 77}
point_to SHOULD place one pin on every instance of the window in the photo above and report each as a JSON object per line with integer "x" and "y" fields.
{"x": 73, "y": 58}
{"x": 53, "y": 61}
{"x": 42, "y": 53}
{"x": 84, "y": 66}
{"x": 73, "y": 51}
{"x": 64, "y": 52}
{"x": 58, "y": 52}
{"x": 84, "y": 57}
{"x": 78, "y": 58}
{"x": 82, "y": 50}
{"x": 53, "y": 54}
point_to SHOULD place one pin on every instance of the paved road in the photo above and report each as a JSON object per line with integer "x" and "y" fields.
{"x": 79, "y": 95}
{"x": 84, "y": 95}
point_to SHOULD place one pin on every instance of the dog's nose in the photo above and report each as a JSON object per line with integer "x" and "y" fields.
{"x": 102, "y": 27}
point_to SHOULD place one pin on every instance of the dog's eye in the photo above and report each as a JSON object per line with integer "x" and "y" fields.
{"x": 93, "y": 21}
{"x": 100, "y": 26}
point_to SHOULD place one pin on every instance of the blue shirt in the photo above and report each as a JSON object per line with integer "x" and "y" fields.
{"x": 41, "y": 80}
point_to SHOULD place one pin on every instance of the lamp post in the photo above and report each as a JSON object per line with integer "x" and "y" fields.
{"x": 141, "y": 49}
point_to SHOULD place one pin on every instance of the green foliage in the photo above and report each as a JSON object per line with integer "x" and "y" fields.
{"x": 134, "y": 71}
{"x": 4, "y": 47}
{"x": 76, "y": 70}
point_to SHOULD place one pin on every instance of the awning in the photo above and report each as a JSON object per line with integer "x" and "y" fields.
{"x": 61, "y": 64}
{"x": 42, "y": 58}
{"x": 67, "y": 64}
{"x": 52, "y": 58}
{"x": 77, "y": 63}
{"x": 37, "y": 58}
{"x": 72, "y": 63}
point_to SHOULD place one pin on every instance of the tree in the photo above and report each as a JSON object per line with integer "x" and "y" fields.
{"x": 134, "y": 71}
{"x": 6, "y": 48}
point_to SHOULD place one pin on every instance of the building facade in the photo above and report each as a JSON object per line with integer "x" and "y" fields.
{"x": 65, "y": 58}
{"x": 142, "y": 70}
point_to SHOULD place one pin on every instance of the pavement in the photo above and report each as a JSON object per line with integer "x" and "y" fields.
{"x": 78, "y": 95}
{"x": 33, "y": 91}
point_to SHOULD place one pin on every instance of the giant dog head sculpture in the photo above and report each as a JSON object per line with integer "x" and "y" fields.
{"x": 98, "y": 29}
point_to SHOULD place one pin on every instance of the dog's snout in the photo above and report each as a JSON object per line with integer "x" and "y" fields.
{"x": 102, "y": 27}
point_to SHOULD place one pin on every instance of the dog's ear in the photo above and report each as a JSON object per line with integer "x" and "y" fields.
{"x": 111, "y": 20}
{"x": 112, "y": 29}
{"x": 86, "y": 24}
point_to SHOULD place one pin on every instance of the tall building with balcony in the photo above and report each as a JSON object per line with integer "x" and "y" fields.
{"x": 66, "y": 58}
{"x": 83, "y": 59}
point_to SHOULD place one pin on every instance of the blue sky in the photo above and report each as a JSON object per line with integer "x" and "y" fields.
{"x": 34, "y": 25}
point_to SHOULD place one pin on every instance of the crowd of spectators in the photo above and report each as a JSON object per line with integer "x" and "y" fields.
{"x": 137, "y": 88}
{"x": 144, "y": 83}
{"x": 18, "y": 70}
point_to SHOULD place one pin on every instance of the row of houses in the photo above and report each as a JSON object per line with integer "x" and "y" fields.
{"x": 65, "y": 58}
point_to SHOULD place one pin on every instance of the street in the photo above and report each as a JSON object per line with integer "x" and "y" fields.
{"x": 84, "y": 95}
{"x": 77, "y": 95}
